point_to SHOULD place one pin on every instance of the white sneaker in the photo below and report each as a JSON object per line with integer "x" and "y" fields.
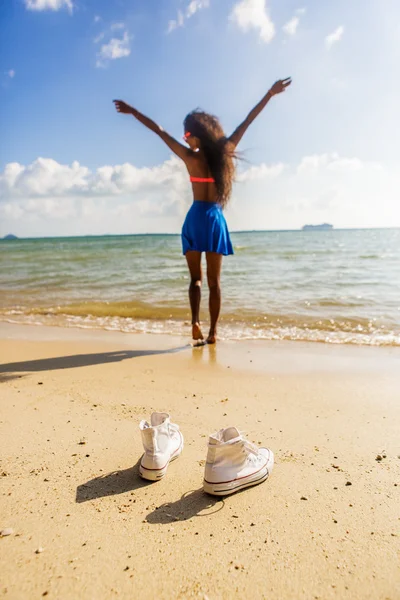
{"x": 162, "y": 442}
{"x": 233, "y": 463}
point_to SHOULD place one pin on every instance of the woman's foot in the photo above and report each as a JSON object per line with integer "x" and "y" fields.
{"x": 212, "y": 336}
{"x": 196, "y": 332}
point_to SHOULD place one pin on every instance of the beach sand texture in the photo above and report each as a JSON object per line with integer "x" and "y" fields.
{"x": 324, "y": 525}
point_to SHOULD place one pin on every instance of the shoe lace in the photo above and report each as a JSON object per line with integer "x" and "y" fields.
{"x": 251, "y": 447}
{"x": 254, "y": 450}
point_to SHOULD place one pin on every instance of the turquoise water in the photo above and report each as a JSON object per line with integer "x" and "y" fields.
{"x": 340, "y": 286}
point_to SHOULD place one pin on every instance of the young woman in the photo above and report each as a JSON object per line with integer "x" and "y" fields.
{"x": 209, "y": 159}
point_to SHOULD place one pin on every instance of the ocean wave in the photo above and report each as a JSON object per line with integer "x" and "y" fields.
{"x": 365, "y": 333}
{"x": 305, "y": 315}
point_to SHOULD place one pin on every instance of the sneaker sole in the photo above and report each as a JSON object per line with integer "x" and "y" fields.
{"x": 157, "y": 474}
{"x": 230, "y": 487}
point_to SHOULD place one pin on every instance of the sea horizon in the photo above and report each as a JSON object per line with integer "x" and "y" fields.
{"x": 233, "y": 231}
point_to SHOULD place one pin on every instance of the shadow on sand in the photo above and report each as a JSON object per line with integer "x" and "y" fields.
{"x": 9, "y": 377}
{"x": 77, "y": 360}
{"x": 192, "y": 504}
{"x": 112, "y": 484}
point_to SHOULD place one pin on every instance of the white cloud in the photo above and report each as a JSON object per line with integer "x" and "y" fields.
{"x": 332, "y": 162}
{"x": 114, "y": 49}
{"x": 11, "y": 73}
{"x": 46, "y": 178}
{"x": 260, "y": 172}
{"x": 345, "y": 191}
{"x": 97, "y": 18}
{"x": 253, "y": 14}
{"x": 55, "y": 5}
{"x": 178, "y": 22}
{"x": 116, "y": 26}
{"x": 301, "y": 11}
{"x": 73, "y": 198}
{"x": 334, "y": 37}
{"x": 290, "y": 27}
{"x": 124, "y": 198}
{"x": 196, "y": 5}
{"x": 193, "y": 7}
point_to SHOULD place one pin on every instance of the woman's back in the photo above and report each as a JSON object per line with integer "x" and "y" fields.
{"x": 202, "y": 181}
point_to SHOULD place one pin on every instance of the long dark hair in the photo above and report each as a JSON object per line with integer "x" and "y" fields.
{"x": 218, "y": 151}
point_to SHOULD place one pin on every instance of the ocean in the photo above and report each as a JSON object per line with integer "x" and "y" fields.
{"x": 339, "y": 286}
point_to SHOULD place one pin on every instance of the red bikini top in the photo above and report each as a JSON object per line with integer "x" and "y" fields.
{"x": 198, "y": 179}
{"x": 202, "y": 180}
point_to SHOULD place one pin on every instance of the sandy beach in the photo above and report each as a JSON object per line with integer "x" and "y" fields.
{"x": 84, "y": 525}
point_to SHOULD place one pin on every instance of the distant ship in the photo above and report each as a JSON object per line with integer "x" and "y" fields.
{"x": 322, "y": 227}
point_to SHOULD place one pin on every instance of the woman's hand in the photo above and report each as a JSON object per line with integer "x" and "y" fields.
{"x": 123, "y": 108}
{"x": 280, "y": 86}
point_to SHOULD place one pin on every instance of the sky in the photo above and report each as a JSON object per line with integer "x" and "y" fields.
{"x": 326, "y": 150}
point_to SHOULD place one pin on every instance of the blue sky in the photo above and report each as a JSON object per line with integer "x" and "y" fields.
{"x": 326, "y": 150}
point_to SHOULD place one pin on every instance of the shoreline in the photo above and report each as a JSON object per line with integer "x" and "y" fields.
{"x": 39, "y": 332}
{"x": 262, "y": 356}
{"x": 265, "y": 356}
{"x": 324, "y": 525}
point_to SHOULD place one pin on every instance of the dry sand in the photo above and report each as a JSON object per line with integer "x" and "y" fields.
{"x": 325, "y": 525}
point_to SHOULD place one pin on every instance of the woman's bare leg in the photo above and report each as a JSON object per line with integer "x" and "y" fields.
{"x": 214, "y": 264}
{"x": 193, "y": 259}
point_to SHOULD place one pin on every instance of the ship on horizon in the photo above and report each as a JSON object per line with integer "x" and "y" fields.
{"x": 322, "y": 227}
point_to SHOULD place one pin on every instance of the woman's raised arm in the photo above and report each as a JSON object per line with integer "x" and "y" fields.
{"x": 277, "y": 88}
{"x": 179, "y": 149}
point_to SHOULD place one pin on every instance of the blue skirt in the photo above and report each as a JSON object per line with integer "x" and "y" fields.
{"x": 205, "y": 229}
